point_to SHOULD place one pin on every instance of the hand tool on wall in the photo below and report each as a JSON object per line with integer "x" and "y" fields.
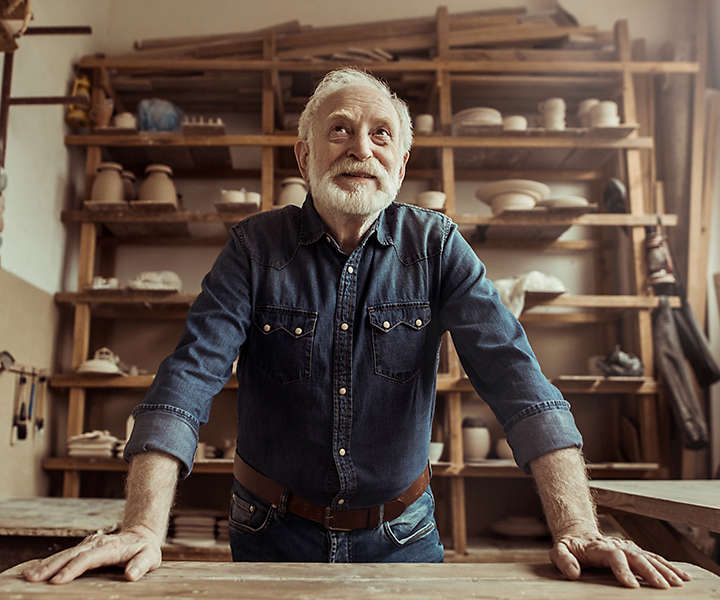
{"x": 22, "y": 412}
{"x": 31, "y": 402}
{"x": 19, "y": 431}
{"x": 40, "y": 407}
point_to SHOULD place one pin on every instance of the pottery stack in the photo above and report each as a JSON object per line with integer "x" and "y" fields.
{"x": 552, "y": 112}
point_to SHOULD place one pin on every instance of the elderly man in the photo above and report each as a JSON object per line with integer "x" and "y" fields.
{"x": 336, "y": 311}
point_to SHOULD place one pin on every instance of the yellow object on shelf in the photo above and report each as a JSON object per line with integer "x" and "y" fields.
{"x": 78, "y": 115}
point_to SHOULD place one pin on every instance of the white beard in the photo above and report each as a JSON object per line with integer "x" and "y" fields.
{"x": 359, "y": 201}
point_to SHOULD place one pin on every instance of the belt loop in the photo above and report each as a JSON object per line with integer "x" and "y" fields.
{"x": 282, "y": 506}
{"x": 381, "y": 515}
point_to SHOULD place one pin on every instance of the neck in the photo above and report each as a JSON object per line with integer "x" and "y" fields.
{"x": 348, "y": 230}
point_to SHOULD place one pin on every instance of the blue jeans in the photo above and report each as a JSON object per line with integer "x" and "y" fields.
{"x": 259, "y": 534}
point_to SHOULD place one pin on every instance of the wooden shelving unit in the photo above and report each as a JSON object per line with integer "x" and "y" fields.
{"x": 455, "y": 79}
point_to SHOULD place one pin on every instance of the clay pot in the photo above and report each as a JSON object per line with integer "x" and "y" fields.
{"x": 158, "y": 185}
{"x": 128, "y": 179}
{"x": 102, "y": 113}
{"x": 292, "y": 191}
{"x": 108, "y": 185}
{"x": 476, "y": 443}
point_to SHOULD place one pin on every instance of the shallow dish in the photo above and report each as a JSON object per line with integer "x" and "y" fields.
{"x": 512, "y": 201}
{"x": 537, "y": 190}
{"x": 564, "y": 202}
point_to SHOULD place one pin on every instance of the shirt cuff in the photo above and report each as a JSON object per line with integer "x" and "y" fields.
{"x": 542, "y": 432}
{"x": 159, "y": 430}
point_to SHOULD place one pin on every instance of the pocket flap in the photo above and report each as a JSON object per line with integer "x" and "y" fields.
{"x": 298, "y": 323}
{"x": 386, "y": 317}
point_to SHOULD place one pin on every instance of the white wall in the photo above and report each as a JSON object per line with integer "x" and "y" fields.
{"x": 37, "y": 161}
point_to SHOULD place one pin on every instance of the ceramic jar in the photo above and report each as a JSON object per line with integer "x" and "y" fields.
{"x": 424, "y": 123}
{"x": 158, "y": 185}
{"x": 128, "y": 179}
{"x": 476, "y": 440}
{"x": 604, "y": 114}
{"x": 292, "y": 191}
{"x": 108, "y": 185}
{"x": 125, "y": 120}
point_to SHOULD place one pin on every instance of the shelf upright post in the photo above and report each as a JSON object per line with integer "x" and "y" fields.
{"x": 268, "y": 123}
{"x": 81, "y": 324}
{"x": 647, "y": 404}
{"x": 458, "y": 509}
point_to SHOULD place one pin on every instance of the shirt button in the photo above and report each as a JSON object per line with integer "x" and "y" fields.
{"x": 342, "y": 391}
{"x": 418, "y": 322}
{"x": 341, "y": 501}
{"x": 386, "y": 324}
{"x": 344, "y": 326}
{"x": 298, "y": 330}
{"x": 266, "y": 327}
{"x": 350, "y": 270}
{"x": 341, "y": 452}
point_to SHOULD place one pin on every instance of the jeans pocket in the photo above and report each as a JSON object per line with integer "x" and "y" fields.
{"x": 281, "y": 342}
{"x": 399, "y": 338}
{"x": 247, "y": 514}
{"x": 414, "y": 524}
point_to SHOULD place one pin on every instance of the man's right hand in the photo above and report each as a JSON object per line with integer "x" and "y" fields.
{"x": 138, "y": 548}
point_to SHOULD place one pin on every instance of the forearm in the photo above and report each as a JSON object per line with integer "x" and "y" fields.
{"x": 562, "y": 483}
{"x": 150, "y": 491}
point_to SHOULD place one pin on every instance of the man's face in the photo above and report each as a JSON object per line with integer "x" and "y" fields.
{"x": 354, "y": 165}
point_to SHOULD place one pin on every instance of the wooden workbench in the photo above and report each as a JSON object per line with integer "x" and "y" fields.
{"x": 645, "y": 509}
{"x": 278, "y": 581}
{"x": 37, "y": 527}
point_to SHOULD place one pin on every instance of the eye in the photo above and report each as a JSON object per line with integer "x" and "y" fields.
{"x": 383, "y": 132}
{"x": 339, "y": 129}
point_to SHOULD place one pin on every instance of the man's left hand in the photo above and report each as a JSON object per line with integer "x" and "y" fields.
{"x": 626, "y": 559}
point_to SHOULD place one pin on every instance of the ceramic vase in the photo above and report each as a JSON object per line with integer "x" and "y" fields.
{"x": 292, "y": 191}
{"x": 108, "y": 185}
{"x": 158, "y": 185}
{"x": 476, "y": 443}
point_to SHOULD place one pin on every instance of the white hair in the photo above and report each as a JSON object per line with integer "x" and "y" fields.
{"x": 342, "y": 78}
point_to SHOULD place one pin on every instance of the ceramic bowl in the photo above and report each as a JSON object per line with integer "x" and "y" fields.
{"x": 436, "y": 450}
{"x": 512, "y": 201}
{"x": 488, "y": 190}
{"x": 431, "y": 199}
{"x": 564, "y": 202}
{"x": 478, "y": 116}
{"x": 239, "y": 196}
{"x": 515, "y": 123}
{"x": 424, "y": 123}
{"x": 476, "y": 443}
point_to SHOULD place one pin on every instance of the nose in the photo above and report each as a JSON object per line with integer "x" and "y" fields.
{"x": 360, "y": 147}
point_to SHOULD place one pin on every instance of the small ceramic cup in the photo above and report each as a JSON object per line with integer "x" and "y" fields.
{"x": 252, "y": 198}
{"x": 604, "y": 114}
{"x": 126, "y": 120}
{"x": 552, "y": 105}
{"x": 515, "y": 123}
{"x": 554, "y": 122}
{"x": 424, "y": 123}
{"x": 584, "y": 109}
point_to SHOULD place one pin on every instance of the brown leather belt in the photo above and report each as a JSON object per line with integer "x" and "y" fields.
{"x": 342, "y": 520}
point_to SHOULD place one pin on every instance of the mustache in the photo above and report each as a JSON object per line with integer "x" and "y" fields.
{"x": 370, "y": 167}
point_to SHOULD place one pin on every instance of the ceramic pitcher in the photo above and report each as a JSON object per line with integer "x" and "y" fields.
{"x": 108, "y": 186}
{"x": 158, "y": 185}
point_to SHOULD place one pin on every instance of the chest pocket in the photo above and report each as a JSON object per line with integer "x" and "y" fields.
{"x": 282, "y": 344}
{"x": 399, "y": 333}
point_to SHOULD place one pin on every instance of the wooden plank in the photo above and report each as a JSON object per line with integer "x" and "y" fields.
{"x": 592, "y": 385}
{"x": 420, "y": 581}
{"x": 698, "y": 232}
{"x": 63, "y": 517}
{"x": 695, "y": 503}
{"x": 575, "y": 66}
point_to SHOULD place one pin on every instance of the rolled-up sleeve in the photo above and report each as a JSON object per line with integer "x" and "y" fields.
{"x": 498, "y": 359}
{"x": 179, "y": 399}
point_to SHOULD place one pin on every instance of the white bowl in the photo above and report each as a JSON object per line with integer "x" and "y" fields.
{"x": 476, "y": 443}
{"x": 524, "y": 186}
{"x": 239, "y": 196}
{"x": 512, "y": 201}
{"x": 436, "y": 450}
{"x": 431, "y": 199}
{"x": 515, "y": 123}
{"x": 564, "y": 202}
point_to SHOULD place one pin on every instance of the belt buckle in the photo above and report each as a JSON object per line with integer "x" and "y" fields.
{"x": 327, "y": 521}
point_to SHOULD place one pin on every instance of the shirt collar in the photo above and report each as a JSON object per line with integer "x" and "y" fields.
{"x": 312, "y": 227}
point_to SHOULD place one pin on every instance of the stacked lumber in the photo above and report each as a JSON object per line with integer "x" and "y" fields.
{"x": 508, "y": 34}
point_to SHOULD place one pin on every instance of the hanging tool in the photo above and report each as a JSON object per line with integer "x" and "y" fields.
{"x": 31, "y": 402}
{"x": 40, "y": 408}
{"x": 19, "y": 429}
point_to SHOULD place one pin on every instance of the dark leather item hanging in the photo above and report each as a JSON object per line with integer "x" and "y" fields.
{"x": 674, "y": 371}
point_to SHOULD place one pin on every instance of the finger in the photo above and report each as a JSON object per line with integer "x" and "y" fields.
{"x": 144, "y": 561}
{"x": 617, "y": 561}
{"x": 670, "y": 576}
{"x": 647, "y": 571}
{"x": 684, "y": 575}
{"x": 103, "y": 554}
{"x": 565, "y": 561}
{"x": 47, "y": 567}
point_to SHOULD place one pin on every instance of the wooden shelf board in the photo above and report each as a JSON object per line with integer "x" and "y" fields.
{"x": 570, "y": 384}
{"x": 478, "y": 66}
{"x": 125, "y": 296}
{"x": 489, "y": 468}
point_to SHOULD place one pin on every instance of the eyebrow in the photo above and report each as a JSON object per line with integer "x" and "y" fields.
{"x": 346, "y": 114}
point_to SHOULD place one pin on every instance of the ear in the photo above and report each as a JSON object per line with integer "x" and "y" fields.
{"x": 401, "y": 175}
{"x": 302, "y": 151}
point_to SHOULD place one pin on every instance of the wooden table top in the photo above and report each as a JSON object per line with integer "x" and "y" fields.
{"x": 279, "y": 581}
{"x": 690, "y": 502}
{"x": 61, "y": 517}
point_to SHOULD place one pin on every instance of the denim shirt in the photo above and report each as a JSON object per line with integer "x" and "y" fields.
{"x": 338, "y": 355}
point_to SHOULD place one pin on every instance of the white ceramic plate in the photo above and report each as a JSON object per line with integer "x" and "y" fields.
{"x": 539, "y": 191}
{"x": 564, "y": 202}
